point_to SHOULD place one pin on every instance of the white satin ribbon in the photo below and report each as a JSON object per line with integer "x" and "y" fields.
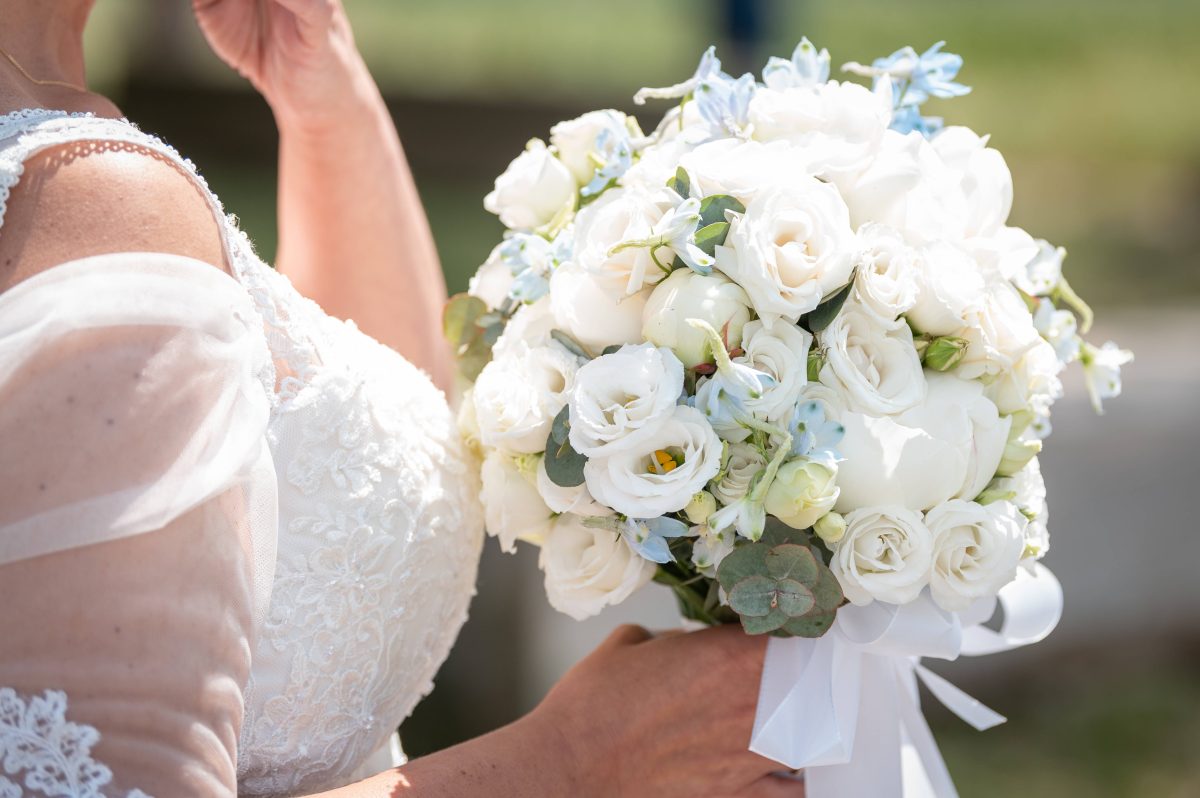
{"x": 845, "y": 707}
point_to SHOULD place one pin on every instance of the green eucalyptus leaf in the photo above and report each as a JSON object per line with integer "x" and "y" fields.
{"x": 748, "y": 559}
{"x": 754, "y": 596}
{"x": 459, "y": 318}
{"x": 560, "y": 428}
{"x": 793, "y": 598}
{"x": 681, "y": 184}
{"x": 612, "y": 349}
{"x": 708, "y": 238}
{"x": 813, "y": 624}
{"x": 778, "y": 533}
{"x": 827, "y": 311}
{"x": 827, "y": 592}
{"x": 570, "y": 344}
{"x": 713, "y": 208}
{"x": 793, "y": 561}
{"x": 563, "y": 464}
{"x": 759, "y": 625}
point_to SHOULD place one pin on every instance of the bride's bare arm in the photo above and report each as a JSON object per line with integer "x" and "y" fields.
{"x": 353, "y": 234}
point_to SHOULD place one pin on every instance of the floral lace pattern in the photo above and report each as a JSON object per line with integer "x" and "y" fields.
{"x": 49, "y": 754}
{"x": 379, "y": 532}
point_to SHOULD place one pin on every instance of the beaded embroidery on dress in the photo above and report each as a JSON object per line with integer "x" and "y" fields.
{"x": 378, "y": 540}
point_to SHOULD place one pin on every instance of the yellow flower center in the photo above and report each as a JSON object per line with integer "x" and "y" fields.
{"x": 664, "y": 461}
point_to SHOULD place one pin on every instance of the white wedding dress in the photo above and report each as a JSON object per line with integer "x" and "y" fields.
{"x": 332, "y": 464}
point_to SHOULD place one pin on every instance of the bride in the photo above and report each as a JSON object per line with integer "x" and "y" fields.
{"x": 237, "y": 535}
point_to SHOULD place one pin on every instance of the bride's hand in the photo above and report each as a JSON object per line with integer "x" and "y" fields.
{"x": 665, "y": 716}
{"x": 299, "y": 54}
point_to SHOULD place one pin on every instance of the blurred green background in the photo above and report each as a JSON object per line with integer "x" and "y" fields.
{"x": 1093, "y": 103}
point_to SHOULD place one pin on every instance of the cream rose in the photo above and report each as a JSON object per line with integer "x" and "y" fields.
{"x": 742, "y": 464}
{"x": 976, "y": 550}
{"x": 780, "y": 350}
{"x": 575, "y": 140}
{"x": 791, "y": 248}
{"x": 621, "y": 399}
{"x": 589, "y": 569}
{"x": 1031, "y": 383}
{"x": 871, "y": 362}
{"x": 534, "y": 189}
{"x": 593, "y": 310}
{"x": 886, "y": 554}
{"x": 802, "y": 492}
{"x": 688, "y": 295}
{"x": 949, "y": 290}
{"x": 517, "y": 396}
{"x": 885, "y": 281}
{"x": 999, "y": 335}
{"x": 619, "y": 215}
{"x": 662, "y": 473}
{"x": 513, "y": 509}
{"x": 947, "y": 447}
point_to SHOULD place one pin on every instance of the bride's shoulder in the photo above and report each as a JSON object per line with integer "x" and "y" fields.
{"x": 91, "y": 197}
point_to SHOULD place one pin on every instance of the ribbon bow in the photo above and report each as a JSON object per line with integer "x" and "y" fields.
{"x": 845, "y": 706}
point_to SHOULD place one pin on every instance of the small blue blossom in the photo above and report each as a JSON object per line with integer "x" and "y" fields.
{"x": 907, "y": 119}
{"x": 722, "y": 398}
{"x": 914, "y": 79}
{"x": 531, "y": 258}
{"x": 813, "y": 435}
{"x": 648, "y": 536}
{"x": 614, "y": 151}
{"x": 806, "y": 68}
{"x": 722, "y": 100}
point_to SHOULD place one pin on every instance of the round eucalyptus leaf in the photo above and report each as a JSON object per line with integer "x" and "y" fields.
{"x": 793, "y": 598}
{"x": 792, "y": 561}
{"x": 754, "y": 596}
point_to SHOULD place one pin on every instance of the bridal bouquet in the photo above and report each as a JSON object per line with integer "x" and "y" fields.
{"x": 784, "y": 355}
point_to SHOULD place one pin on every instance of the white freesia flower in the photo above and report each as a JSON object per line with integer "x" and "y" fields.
{"x": 983, "y": 176}
{"x": 1032, "y": 383}
{"x": 947, "y": 447}
{"x": 529, "y": 327}
{"x": 560, "y": 499}
{"x": 780, "y": 350}
{"x": 976, "y": 550}
{"x": 802, "y": 492}
{"x": 534, "y": 189}
{"x": 513, "y": 508}
{"x": 1102, "y": 371}
{"x": 1059, "y": 328}
{"x": 660, "y": 474}
{"x": 575, "y": 140}
{"x": 589, "y": 568}
{"x": 791, "y": 248}
{"x": 885, "y": 280}
{"x": 873, "y": 363}
{"x": 619, "y": 215}
{"x": 1043, "y": 272}
{"x": 741, "y": 466}
{"x": 886, "y": 554}
{"x": 594, "y": 311}
{"x": 1000, "y": 332}
{"x": 687, "y": 295}
{"x": 836, "y": 127}
{"x": 949, "y": 290}
{"x": 516, "y": 397}
{"x": 621, "y": 399}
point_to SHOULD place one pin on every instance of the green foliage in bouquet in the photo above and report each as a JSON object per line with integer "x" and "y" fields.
{"x": 471, "y": 329}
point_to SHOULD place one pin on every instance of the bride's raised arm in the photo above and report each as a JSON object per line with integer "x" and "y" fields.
{"x": 352, "y": 233}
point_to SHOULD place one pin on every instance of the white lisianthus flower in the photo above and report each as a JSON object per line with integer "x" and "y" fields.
{"x": 534, "y": 190}
{"x": 984, "y": 178}
{"x": 1042, "y": 273}
{"x": 949, "y": 290}
{"x": 619, "y": 215}
{"x": 513, "y": 509}
{"x": 1059, "y": 328}
{"x": 516, "y": 397}
{"x": 872, "y": 363}
{"x": 559, "y": 499}
{"x": 1102, "y": 371}
{"x": 588, "y": 569}
{"x": 780, "y": 350}
{"x": 662, "y": 473}
{"x": 529, "y": 327}
{"x": 621, "y": 399}
{"x": 688, "y": 295}
{"x": 976, "y": 550}
{"x": 1031, "y": 383}
{"x": 947, "y": 447}
{"x": 492, "y": 280}
{"x": 575, "y": 140}
{"x": 886, "y": 554}
{"x": 885, "y": 281}
{"x": 791, "y": 248}
{"x": 1000, "y": 332}
{"x": 802, "y": 492}
{"x": 743, "y": 168}
{"x": 837, "y": 127}
{"x": 741, "y": 466}
{"x": 593, "y": 310}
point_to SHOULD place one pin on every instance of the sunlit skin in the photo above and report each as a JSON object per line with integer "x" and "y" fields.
{"x": 353, "y": 237}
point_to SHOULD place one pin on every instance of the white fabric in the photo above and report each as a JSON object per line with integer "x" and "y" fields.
{"x": 378, "y": 531}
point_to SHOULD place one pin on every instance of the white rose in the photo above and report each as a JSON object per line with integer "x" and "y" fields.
{"x": 589, "y": 569}
{"x": 492, "y": 280}
{"x": 621, "y": 399}
{"x": 983, "y": 176}
{"x": 619, "y": 215}
{"x": 802, "y": 492}
{"x": 873, "y": 363}
{"x": 636, "y": 482}
{"x": 560, "y": 499}
{"x": 530, "y": 326}
{"x": 976, "y": 550}
{"x": 534, "y": 189}
{"x": 742, "y": 168}
{"x": 587, "y": 308}
{"x": 1031, "y": 383}
{"x": 885, "y": 281}
{"x": 513, "y": 508}
{"x": 1002, "y": 256}
{"x": 780, "y": 350}
{"x": 743, "y": 463}
{"x": 998, "y": 335}
{"x": 949, "y": 290}
{"x": 657, "y": 163}
{"x": 947, "y": 447}
{"x": 516, "y": 397}
{"x": 837, "y": 127}
{"x": 575, "y": 140}
{"x": 791, "y": 248}
{"x": 688, "y": 295}
{"x": 885, "y": 555}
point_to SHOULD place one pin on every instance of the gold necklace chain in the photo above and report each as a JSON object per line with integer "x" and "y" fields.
{"x": 16, "y": 65}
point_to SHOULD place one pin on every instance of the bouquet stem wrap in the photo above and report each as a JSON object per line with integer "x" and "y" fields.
{"x": 845, "y": 708}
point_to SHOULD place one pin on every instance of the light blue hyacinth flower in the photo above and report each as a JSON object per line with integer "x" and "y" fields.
{"x": 531, "y": 258}
{"x": 813, "y": 435}
{"x": 807, "y": 67}
{"x": 648, "y": 536}
{"x": 614, "y": 152}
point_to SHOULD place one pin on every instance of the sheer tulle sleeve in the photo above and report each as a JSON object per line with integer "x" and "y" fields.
{"x": 137, "y": 526}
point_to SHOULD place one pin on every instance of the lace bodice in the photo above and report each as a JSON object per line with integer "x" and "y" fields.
{"x": 378, "y": 540}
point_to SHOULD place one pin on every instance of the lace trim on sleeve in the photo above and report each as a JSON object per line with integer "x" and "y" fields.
{"x": 46, "y": 754}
